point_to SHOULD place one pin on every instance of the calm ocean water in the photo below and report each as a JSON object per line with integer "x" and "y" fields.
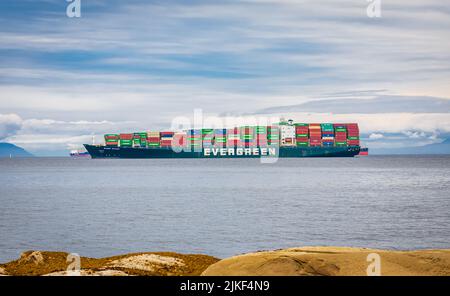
{"x": 222, "y": 207}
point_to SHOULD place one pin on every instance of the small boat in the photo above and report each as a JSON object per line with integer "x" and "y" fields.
{"x": 79, "y": 153}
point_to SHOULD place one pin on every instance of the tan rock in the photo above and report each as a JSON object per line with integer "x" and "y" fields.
{"x": 147, "y": 262}
{"x": 333, "y": 261}
{"x": 35, "y": 257}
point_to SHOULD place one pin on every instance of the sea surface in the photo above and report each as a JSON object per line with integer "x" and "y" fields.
{"x": 222, "y": 207}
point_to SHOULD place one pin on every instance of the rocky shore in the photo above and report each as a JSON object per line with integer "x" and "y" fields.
{"x": 146, "y": 264}
{"x": 328, "y": 261}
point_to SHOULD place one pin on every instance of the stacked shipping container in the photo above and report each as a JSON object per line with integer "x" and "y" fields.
{"x": 139, "y": 140}
{"x": 299, "y": 134}
{"x": 207, "y": 137}
{"x": 352, "y": 134}
{"x": 315, "y": 135}
{"x": 233, "y": 137}
{"x": 166, "y": 139}
{"x": 153, "y": 139}
{"x": 261, "y": 136}
{"x": 273, "y": 136}
{"x": 194, "y": 138}
{"x": 327, "y": 134}
{"x": 248, "y": 136}
{"x": 302, "y": 134}
{"x": 340, "y": 134}
{"x": 111, "y": 139}
{"x": 220, "y": 137}
{"x": 287, "y": 135}
{"x": 126, "y": 140}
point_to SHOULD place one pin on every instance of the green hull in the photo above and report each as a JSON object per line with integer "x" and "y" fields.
{"x": 238, "y": 152}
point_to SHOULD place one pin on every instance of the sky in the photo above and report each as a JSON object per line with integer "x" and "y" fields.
{"x": 136, "y": 65}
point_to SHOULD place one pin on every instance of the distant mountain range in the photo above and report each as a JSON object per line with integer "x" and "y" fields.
{"x": 440, "y": 148}
{"x": 11, "y": 150}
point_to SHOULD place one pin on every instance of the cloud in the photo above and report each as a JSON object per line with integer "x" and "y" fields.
{"x": 376, "y": 136}
{"x": 49, "y": 134}
{"x": 378, "y": 104}
{"x": 10, "y": 124}
{"x": 147, "y": 62}
{"x": 378, "y": 122}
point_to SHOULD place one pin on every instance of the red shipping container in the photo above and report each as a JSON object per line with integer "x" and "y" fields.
{"x": 179, "y": 140}
{"x": 126, "y": 136}
{"x": 353, "y": 142}
{"x": 153, "y": 139}
{"x": 233, "y": 143}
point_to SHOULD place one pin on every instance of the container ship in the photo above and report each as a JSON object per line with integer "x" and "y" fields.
{"x": 285, "y": 139}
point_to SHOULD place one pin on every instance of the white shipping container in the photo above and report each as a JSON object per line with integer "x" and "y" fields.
{"x": 287, "y": 131}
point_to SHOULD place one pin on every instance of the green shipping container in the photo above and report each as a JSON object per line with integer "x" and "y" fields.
{"x": 261, "y": 129}
{"x": 221, "y": 140}
{"x": 302, "y": 143}
{"x": 301, "y": 135}
{"x": 353, "y": 138}
{"x": 206, "y": 131}
{"x": 341, "y": 143}
{"x": 301, "y": 124}
{"x": 247, "y": 137}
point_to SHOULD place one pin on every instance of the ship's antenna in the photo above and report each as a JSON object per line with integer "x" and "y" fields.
{"x": 93, "y": 139}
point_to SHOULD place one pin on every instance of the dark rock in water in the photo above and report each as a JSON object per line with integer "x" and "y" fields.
{"x": 11, "y": 150}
